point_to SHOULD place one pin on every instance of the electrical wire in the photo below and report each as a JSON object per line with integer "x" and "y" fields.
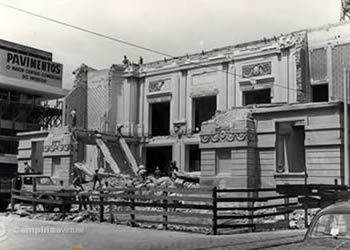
{"x": 84, "y": 29}
{"x": 131, "y": 43}
{"x": 122, "y": 41}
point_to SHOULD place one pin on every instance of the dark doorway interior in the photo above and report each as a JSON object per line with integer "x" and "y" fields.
{"x": 194, "y": 158}
{"x": 204, "y": 109}
{"x": 160, "y": 118}
{"x": 158, "y": 156}
{"x": 320, "y": 93}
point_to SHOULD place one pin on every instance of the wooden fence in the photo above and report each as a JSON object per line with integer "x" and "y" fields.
{"x": 209, "y": 208}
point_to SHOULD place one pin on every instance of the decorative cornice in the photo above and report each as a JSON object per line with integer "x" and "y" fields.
{"x": 226, "y": 136}
{"x": 57, "y": 147}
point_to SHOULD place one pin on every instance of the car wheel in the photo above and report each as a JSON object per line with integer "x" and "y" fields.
{"x": 48, "y": 207}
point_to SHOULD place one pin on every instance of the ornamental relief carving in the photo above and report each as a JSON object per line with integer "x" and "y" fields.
{"x": 224, "y": 136}
{"x": 258, "y": 69}
{"x": 160, "y": 85}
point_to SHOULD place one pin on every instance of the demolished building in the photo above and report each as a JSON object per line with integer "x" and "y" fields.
{"x": 255, "y": 114}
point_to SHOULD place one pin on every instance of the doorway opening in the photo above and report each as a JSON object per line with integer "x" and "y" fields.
{"x": 159, "y": 157}
{"x": 160, "y": 118}
{"x": 204, "y": 109}
{"x": 193, "y": 158}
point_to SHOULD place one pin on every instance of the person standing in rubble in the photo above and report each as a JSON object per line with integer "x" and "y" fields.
{"x": 157, "y": 173}
{"x": 96, "y": 179}
{"x": 173, "y": 170}
{"x": 73, "y": 117}
{"x": 27, "y": 168}
{"x": 141, "y": 172}
{"x": 78, "y": 182}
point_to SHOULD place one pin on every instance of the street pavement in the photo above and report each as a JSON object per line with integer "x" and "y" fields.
{"x": 22, "y": 233}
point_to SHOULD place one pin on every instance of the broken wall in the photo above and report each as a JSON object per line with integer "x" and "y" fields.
{"x": 228, "y": 150}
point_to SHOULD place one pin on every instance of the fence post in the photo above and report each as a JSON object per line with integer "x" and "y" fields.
{"x": 286, "y": 215}
{"x": 215, "y": 211}
{"x": 111, "y": 211}
{"x": 34, "y": 195}
{"x": 80, "y": 202}
{"x": 165, "y": 210}
{"x": 101, "y": 207}
{"x": 336, "y": 188}
{"x": 306, "y": 206}
{"x": 13, "y": 187}
{"x": 63, "y": 208}
{"x": 251, "y": 211}
{"x": 132, "y": 207}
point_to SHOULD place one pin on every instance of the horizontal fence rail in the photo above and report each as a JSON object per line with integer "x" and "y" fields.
{"x": 209, "y": 208}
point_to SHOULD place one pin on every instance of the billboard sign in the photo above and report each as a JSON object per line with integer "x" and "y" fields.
{"x": 28, "y": 68}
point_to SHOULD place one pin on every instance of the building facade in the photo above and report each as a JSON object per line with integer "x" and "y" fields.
{"x": 238, "y": 116}
{"x": 28, "y": 80}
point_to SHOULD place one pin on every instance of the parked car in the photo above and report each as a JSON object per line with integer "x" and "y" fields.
{"x": 46, "y": 187}
{"x": 329, "y": 229}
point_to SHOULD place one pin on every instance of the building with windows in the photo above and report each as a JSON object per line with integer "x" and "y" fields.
{"x": 28, "y": 80}
{"x": 248, "y": 115}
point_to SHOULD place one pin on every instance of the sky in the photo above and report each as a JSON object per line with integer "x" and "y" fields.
{"x": 175, "y": 27}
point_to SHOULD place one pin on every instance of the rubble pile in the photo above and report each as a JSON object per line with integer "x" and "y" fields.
{"x": 297, "y": 218}
{"x": 149, "y": 182}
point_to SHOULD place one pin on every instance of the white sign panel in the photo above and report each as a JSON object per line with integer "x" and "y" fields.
{"x": 29, "y": 68}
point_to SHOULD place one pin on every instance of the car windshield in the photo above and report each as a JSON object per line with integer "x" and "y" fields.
{"x": 332, "y": 225}
{"x": 45, "y": 181}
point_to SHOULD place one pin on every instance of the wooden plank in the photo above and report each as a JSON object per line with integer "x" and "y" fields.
{"x": 31, "y": 199}
{"x": 235, "y": 225}
{"x": 234, "y": 217}
{"x": 156, "y": 189}
{"x": 157, "y": 197}
{"x": 227, "y": 190}
{"x": 175, "y": 214}
{"x": 185, "y": 191}
{"x": 256, "y": 208}
{"x": 174, "y": 223}
{"x": 143, "y": 204}
{"x": 238, "y": 199}
{"x": 55, "y": 194}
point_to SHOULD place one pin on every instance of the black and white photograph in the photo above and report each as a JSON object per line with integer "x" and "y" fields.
{"x": 180, "y": 125}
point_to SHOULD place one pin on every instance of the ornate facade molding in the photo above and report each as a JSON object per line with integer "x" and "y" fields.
{"x": 179, "y": 128}
{"x": 258, "y": 69}
{"x": 57, "y": 147}
{"x": 293, "y": 39}
{"x": 228, "y": 136}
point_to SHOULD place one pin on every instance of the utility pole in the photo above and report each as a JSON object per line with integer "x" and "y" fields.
{"x": 346, "y": 129}
{"x": 345, "y": 10}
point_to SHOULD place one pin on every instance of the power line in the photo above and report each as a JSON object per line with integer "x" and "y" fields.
{"x": 125, "y": 42}
{"x": 84, "y": 29}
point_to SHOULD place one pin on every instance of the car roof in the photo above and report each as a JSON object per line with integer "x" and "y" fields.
{"x": 343, "y": 206}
